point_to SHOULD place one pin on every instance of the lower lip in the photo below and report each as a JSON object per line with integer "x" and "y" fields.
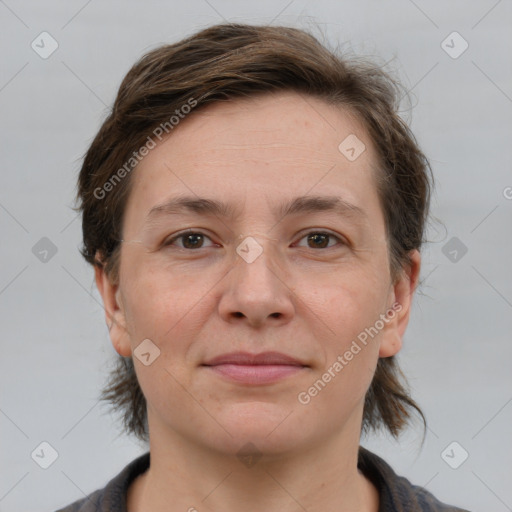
{"x": 256, "y": 374}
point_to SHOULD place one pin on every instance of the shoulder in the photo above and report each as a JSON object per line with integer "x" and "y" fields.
{"x": 396, "y": 493}
{"x": 91, "y": 503}
{"x": 112, "y": 497}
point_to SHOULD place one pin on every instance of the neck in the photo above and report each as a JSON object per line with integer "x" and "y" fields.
{"x": 185, "y": 476}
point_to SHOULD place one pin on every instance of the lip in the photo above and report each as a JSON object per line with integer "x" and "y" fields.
{"x": 256, "y": 369}
{"x": 246, "y": 358}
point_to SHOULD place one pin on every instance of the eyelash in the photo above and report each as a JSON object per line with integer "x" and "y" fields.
{"x": 170, "y": 241}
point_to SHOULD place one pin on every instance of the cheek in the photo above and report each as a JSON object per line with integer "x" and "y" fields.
{"x": 351, "y": 307}
{"x": 154, "y": 297}
{"x": 337, "y": 391}
{"x": 349, "y": 352}
{"x": 350, "y": 301}
{"x": 170, "y": 309}
{"x": 156, "y": 312}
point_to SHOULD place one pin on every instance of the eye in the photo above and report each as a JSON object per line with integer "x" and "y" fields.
{"x": 319, "y": 239}
{"x": 191, "y": 240}
{"x": 195, "y": 239}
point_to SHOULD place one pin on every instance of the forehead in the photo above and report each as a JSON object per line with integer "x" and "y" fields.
{"x": 259, "y": 149}
{"x": 277, "y": 121}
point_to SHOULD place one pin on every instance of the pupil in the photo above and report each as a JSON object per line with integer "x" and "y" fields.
{"x": 316, "y": 236}
{"x": 188, "y": 237}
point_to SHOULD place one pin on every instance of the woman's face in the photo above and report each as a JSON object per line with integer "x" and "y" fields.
{"x": 307, "y": 283}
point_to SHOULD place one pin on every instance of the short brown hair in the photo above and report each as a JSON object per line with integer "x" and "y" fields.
{"x": 229, "y": 61}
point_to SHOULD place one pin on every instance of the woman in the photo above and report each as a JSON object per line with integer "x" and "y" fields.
{"x": 254, "y": 208}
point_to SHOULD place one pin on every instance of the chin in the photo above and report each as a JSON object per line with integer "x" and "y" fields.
{"x": 251, "y": 442}
{"x": 271, "y": 428}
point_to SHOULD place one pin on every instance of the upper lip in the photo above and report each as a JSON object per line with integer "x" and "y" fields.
{"x": 246, "y": 358}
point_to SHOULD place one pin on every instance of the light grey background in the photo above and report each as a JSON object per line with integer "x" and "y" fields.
{"x": 55, "y": 350}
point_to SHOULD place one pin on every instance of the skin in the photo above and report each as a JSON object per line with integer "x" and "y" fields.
{"x": 298, "y": 297}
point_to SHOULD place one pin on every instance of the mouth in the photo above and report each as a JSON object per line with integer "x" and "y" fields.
{"x": 256, "y": 369}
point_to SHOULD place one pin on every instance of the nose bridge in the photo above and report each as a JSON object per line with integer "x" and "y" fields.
{"x": 249, "y": 247}
{"x": 256, "y": 284}
{"x": 257, "y": 256}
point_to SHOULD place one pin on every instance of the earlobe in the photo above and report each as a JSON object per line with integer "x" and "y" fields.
{"x": 114, "y": 312}
{"x": 390, "y": 346}
{"x": 401, "y": 298}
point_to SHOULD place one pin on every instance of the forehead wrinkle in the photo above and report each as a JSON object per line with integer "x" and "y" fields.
{"x": 305, "y": 154}
{"x": 295, "y": 206}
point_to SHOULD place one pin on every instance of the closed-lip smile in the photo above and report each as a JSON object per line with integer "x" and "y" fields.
{"x": 254, "y": 369}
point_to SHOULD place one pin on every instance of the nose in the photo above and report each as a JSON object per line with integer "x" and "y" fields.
{"x": 257, "y": 290}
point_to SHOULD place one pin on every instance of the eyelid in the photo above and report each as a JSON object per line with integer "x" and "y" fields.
{"x": 342, "y": 241}
{"x": 173, "y": 238}
{"x": 301, "y": 235}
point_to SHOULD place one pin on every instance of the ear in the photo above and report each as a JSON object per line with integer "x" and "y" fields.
{"x": 114, "y": 311}
{"x": 399, "y": 308}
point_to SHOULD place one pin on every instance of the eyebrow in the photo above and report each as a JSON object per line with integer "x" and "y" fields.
{"x": 297, "y": 205}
